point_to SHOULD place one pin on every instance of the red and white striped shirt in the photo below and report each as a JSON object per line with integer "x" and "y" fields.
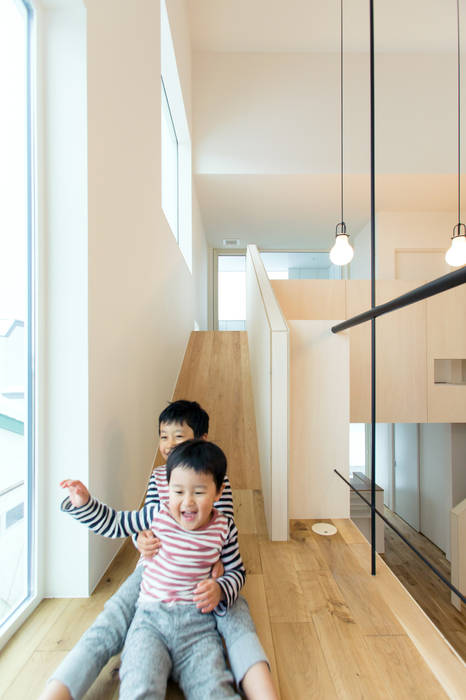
{"x": 106, "y": 521}
{"x": 185, "y": 558}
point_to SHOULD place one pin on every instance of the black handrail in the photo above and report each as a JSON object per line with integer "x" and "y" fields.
{"x": 441, "y": 284}
{"x": 411, "y": 546}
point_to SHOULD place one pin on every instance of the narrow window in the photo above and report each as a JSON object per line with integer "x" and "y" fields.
{"x": 16, "y": 317}
{"x": 170, "y": 168}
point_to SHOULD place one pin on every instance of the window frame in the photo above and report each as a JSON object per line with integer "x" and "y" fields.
{"x": 23, "y": 609}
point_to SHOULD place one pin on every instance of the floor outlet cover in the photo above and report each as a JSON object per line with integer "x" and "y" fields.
{"x": 324, "y": 529}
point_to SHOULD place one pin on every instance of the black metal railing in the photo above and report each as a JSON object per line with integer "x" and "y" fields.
{"x": 448, "y": 281}
{"x": 405, "y": 540}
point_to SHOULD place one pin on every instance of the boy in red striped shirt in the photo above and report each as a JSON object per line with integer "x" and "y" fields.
{"x": 169, "y": 634}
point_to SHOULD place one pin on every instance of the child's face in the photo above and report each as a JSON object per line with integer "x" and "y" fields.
{"x": 191, "y": 497}
{"x": 171, "y": 435}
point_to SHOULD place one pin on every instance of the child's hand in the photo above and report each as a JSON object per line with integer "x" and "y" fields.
{"x": 218, "y": 569}
{"x": 78, "y": 493}
{"x": 148, "y": 544}
{"x": 208, "y": 595}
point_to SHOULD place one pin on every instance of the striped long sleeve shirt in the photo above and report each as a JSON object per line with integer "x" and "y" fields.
{"x": 185, "y": 558}
{"x": 106, "y": 521}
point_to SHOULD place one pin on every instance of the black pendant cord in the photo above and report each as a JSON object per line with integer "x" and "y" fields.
{"x": 459, "y": 110}
{"x": 341, "y": 106}
{"x": 373, "y": 337}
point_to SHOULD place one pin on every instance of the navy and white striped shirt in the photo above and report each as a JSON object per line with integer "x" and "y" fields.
{"x": 107, "y": 521}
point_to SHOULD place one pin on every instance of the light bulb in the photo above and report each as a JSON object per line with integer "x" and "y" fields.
{"x": 342, "y": 252}
{"x": 456, "y": 253}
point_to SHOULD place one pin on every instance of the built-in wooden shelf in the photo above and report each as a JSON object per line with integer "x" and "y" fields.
{"x": 450, "y": 371}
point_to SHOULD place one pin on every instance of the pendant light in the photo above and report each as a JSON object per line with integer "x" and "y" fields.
{"x": 342, "y": 252}
{"x": 456, "y": 254}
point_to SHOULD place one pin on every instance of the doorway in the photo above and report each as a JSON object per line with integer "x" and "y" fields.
{"x": 230, "y": 290}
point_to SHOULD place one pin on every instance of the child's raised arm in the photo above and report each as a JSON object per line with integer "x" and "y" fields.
{"x": 77, "y": 492}
{"x": 102, "y": 519}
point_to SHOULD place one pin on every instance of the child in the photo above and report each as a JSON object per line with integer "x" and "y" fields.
{"x": 169, "y": 631}
{"x": 180, "y": 421}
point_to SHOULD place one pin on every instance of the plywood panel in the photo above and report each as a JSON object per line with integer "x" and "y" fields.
{"x": 446, "y": 339}
{"x": 420, "y": 264}
{"x": 408, "y": 341}
{"x": 319, "y": 420}
{"x": 401, "y": 358}
{"x": 358, "y": 299}
{"x": 313, "y": 300}
{"x": 401, "y": 391}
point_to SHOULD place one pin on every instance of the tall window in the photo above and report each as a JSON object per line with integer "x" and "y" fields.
{"x": 16, "y": 354}
{"x": 170, "y": 167}
{"x": 176, "y": 167}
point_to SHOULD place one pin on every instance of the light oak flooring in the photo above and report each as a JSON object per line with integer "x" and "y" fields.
{"x": 425, "y": 587}
{"x": 330, "y": 629}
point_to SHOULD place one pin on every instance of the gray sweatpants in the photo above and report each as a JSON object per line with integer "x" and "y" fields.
{"x": 106, "y": 637}
{"x": 174, "y": 639}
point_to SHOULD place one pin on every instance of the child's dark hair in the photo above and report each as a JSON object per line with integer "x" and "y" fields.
{"x": 189, "y": 412}
{"x": 201, "y": 456}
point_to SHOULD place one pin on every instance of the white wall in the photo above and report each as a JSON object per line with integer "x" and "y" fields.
{"x": 319, "y": 420}
{"x": 141, "y": 306}
{"x": 458, "y": 461}
{"x": 121, "y": 300}
{"x": 384, "y": 461}
{"x": 435, "y": 483}
{"x": 269, "y": 362}
{"x": 62, "y": 424}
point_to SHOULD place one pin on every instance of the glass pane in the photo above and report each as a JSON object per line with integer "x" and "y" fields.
{"x": 14, "y": 276}
{"x": 231, "y": 292}
{"x": 299, "y": 265}
{"x": 169, "y": 167}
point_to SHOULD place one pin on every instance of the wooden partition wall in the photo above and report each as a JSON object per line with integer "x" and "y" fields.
{"x": 268, "y": 353}
{"x": 319, "y": 421}
{"x": 408, "y": 343}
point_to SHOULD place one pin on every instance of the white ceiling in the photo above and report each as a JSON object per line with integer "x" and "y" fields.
{"x": 313, "y": 25}
{"x": 265, "y": 96}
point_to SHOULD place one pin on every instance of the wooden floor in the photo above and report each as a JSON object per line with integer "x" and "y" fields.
{"x": 330, "y": 629}
{"x": 425, "y": 587}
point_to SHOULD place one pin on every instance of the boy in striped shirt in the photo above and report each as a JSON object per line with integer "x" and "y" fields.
{"x": 169, "y": 632}
{"x": 181, "y": 420}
